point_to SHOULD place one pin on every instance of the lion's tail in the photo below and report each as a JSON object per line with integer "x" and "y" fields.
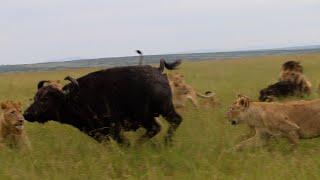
{"x": 207, "y": 94}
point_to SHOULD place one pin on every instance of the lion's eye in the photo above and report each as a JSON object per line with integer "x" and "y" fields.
{"x": 12, "y": 112}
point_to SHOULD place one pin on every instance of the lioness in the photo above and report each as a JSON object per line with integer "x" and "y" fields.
{"x": 12, "y": 131}
{"x": 293, "y": 120}
{"x": 183, "y": 92}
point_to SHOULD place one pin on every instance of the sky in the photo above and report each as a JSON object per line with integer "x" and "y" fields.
{"x": 53, "y": 30}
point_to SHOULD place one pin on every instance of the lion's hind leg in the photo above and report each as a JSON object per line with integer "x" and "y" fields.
{"x": 289, "y": 130}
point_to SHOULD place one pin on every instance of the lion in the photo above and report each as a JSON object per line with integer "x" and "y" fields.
{"x": 292, "y": 71}
{"x": 12, "y": 131}
{"x": 293, "y": 120}
{"x": 183, "y": 92}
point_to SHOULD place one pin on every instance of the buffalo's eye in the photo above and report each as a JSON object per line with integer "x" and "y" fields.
{"x": 44, "y": 99}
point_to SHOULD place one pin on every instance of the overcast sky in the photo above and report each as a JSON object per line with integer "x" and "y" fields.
{"x": 50, "y": 30}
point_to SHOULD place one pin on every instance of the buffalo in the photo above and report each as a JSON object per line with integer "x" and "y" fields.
{"x": 103, "y": 103}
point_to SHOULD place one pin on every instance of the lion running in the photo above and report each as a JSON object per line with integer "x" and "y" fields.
{"x": 182, "y": 92}
{"x": 12, "y": 131}
{"x": 293, "y": 120}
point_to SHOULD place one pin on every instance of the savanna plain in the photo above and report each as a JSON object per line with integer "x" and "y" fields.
{"x": 202, "y": 147}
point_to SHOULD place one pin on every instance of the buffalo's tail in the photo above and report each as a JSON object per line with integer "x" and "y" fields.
{"x": 170, "y": 66}
{"x": 141, "y": 57}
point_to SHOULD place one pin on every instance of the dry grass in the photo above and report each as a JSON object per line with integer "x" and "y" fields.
{"x": 202, "y": 143}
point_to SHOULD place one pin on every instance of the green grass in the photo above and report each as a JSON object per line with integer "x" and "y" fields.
{"x": 202, "y": 142}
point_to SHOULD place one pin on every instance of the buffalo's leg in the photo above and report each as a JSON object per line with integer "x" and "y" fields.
{"x": 174, "y": 120}
{"x": 115, "y": 131}
{"x": 152, "y": 127}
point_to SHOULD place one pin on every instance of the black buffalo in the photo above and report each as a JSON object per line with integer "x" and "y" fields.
{"x": 104, "y": 102}
{"x": 279, "y": 89}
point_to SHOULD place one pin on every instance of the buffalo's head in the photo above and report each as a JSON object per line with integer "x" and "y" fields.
{"x": 49, "y": 101}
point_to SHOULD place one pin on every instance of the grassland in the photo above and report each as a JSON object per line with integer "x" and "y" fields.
{"x": 202, "y": 143}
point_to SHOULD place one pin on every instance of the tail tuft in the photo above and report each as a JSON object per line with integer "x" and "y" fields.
{"x": 170, "y": 66}
{"x": 141, "y": 57}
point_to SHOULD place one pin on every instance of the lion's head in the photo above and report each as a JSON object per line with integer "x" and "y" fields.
{"x": 13, "y": 119}
{"x": 292, "y": 66}
{"x": 237, "y": 108}
{"x": 291, "y": 76}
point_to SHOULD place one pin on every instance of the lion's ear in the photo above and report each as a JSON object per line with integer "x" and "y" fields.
{"x": 4, "y": 106}
{"x": 245, "y": 102}
{"x": 239, "y": 95}
{"x": 18, "y": 105}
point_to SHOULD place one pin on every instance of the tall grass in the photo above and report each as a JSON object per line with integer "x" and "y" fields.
{"x": 202, "y": 142}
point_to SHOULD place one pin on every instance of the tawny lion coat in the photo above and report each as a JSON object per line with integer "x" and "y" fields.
{"x": 183, "y": 92}
{"x": 293, "y": 120}
{"x": 12, "y": 131}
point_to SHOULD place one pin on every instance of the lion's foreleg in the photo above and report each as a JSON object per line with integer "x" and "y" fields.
{"x": 260, "y": 139}
{"x": 293, "y": 138}
{"x": 193, "y": 100}
{"x": 252, "y": 131}
{"x": 246, "y": 143}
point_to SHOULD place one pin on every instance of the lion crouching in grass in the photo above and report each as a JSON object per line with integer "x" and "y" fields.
{"x": 292, "y": 120}
{"x": 12, "y": 132}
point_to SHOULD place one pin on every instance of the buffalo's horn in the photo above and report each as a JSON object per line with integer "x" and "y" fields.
{"x": 73, "y": 81}
{"x": 41, "y": 83}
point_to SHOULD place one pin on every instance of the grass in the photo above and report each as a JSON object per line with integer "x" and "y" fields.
{"x": 202, "y": 142}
